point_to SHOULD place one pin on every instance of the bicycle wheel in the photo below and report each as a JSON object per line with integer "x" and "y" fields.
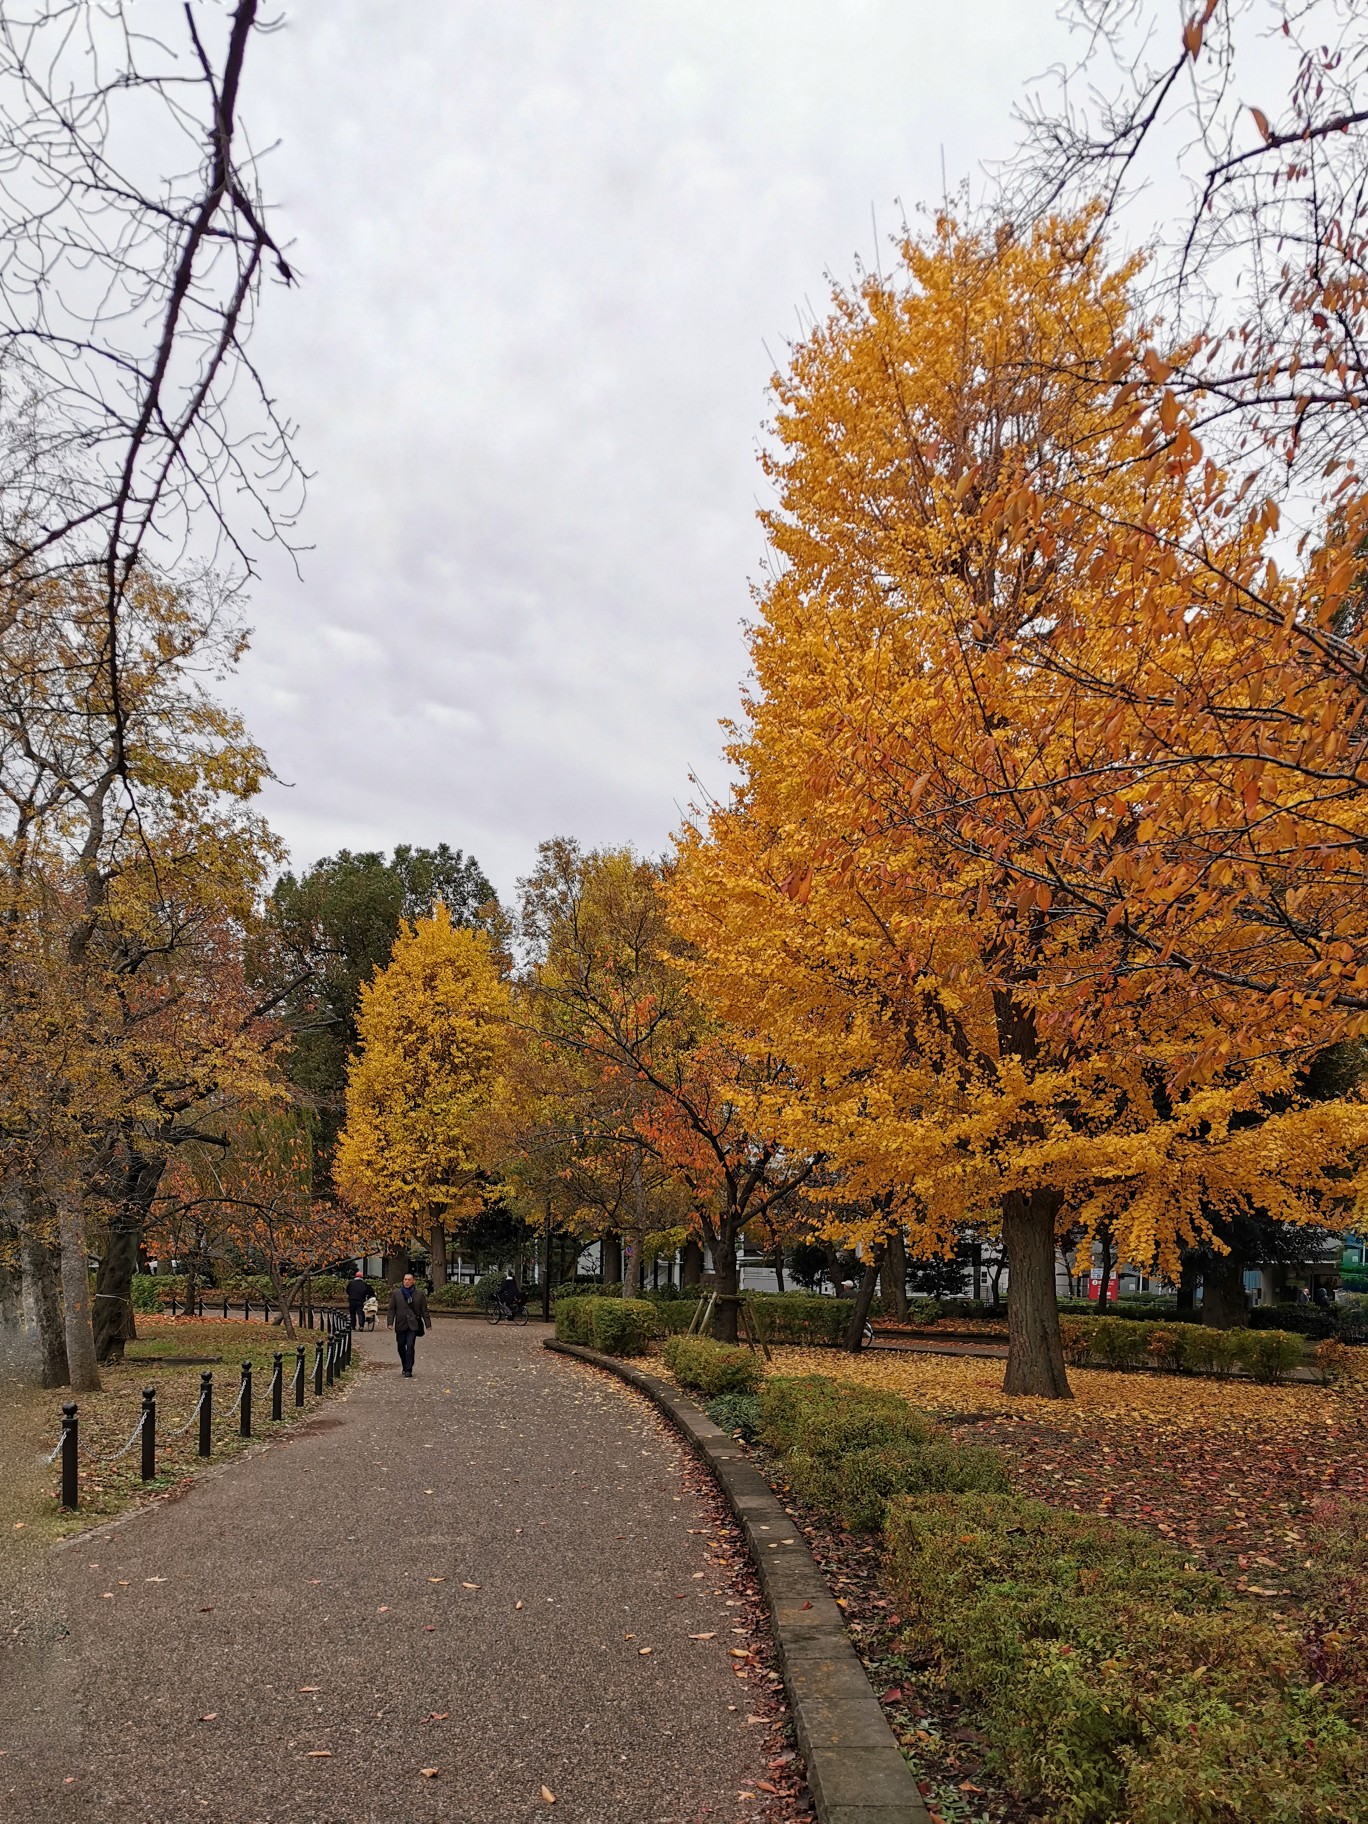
{"x": 495, "y": 1314}
{"x": 868, "y": 1335}
{"x": 520, "y": 1315}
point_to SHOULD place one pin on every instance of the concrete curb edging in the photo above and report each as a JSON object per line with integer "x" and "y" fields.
{"x": 855, "y": 1768}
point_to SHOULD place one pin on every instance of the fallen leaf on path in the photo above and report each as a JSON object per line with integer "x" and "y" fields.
{"x": 384, "y": 1609}
{"x": 751, "y": 1721}
{"x": 429, "y": 1773}
{"x": 311, "y": 1687}
{"x": 154, "y": 1580}
{"x": 319, "y": 1754}
{"x": 548, "y": 1797}
{"x": 429, "y": 1627}
{"x": 208, "y": 1609}
{"x": 710, "y": 1635}
{"x": 436, "y": 1579}
{"x": 210, "y": 1716}
{"x": 437, "y": 1716}
{"x": 517, "y": 1605}
{"x": 470, "y": 1586}
{"x": 643, "y": 1651}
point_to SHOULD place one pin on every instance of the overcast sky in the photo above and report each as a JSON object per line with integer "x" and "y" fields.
{"x": 551, "y": 251}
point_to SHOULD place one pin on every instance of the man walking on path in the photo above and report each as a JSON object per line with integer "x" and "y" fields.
{"x": 408, "y": 1318}
{"x": 356, "y": 1298}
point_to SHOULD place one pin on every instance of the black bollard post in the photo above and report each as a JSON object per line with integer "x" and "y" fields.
{"x": 201, "y": 1305}
{"x": 69, "y": 1449}
{"x": 246, "y": 1310}
{"x": 277, "y": 1386}
{"x": 206, "y": 1412}
{"x": 245, "y": 1410}
{"x": 225, "y": 1304}
{"x": 173, "y": 1304}
{"x": 318, "y": 1366}
{"x": 149, "y": 1434}
{"x": 331, "y": 1359}
{"x": 299, "y": 1376}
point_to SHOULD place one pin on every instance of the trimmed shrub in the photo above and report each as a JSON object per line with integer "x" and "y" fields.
{"x": 828, "y": 1433}
{"x": 1267, "y": 1355}
{"x": 1076, "y": 1336}
{"x": 712, "y": 1368}
{"x": 1119, "y": 1344}
{"x": 1314, "y": 1321}
{"x": 787, "y": 1401}
{"x": 1204, "y": 1351}
{"x": 453, "y": 1297}
{"x": 1114, "y": 1681}
{"x": 866, "y": 1480}
{"x": 572, "y": 1319}
{"x": 799, "y": 1317}
{"x": 620, "y": 1326}
{"x": 674, "y": 1315}
{"x": 1337, "y": 1361}
{"x": 736, "y": 1413}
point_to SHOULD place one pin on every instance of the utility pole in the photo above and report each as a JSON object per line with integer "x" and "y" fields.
{"x": 546, "y": 1261}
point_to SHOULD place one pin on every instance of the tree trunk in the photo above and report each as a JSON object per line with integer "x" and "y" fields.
{"x": 610, "y": 1258}
{"x": 864, "y": 1298}
{"x": 42, "y": 1280}
{"x": 114, "y": 1325}
{"x": 1035, "y": 1355}
{"x": 728, "y": 1284}
{"x": 1223, "y": 1293}
{"x": 1189, "y": 1272}
{"x": 893, "y": 1275}
{"x": 396, "y": 1265}
{"x": 1105, "y": 1242}
{"x": 691, "y": 1265}
{"x": 79, "y": 1330}
{"x": 438, "y": 1246}
{"x": 778, "y": 1258}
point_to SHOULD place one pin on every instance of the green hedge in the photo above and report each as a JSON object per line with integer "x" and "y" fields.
{"x": 453, "y": 1297}
{"x": 1114, "y": 1342}
{"x": 799, "y": 1317}
{"x": 712, "y": 1368}
{"x": 1114, "y": 1681}
{"x": 866, "y": 1480}
{"x": 617, "y": 1326}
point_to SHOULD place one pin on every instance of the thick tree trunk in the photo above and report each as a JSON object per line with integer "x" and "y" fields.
{"x": 1035, "y": 1356}
{"x": 42, "y": 1282}
{"x": 114, "y": 1325}
{"x": 610, "y": 1258}
{"x": 728, "y": 1284}
{"x": 396, "y": 1265}
{"x": 438, "y": 1246}
{"x": 864, "y": 1298}
{"x": 79, "y": 1330}
{"x": 1223, "y": 1293}
{"x": 691, "y": 1263}
{"x": 893, "y": 1275}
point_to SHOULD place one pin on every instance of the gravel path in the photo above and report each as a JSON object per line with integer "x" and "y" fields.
{"x": 494, "y": 1571}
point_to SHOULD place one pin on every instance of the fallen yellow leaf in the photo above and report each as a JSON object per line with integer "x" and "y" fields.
{"x": 548, "y": 1797}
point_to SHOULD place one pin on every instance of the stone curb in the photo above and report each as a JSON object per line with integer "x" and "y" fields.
{"x": 856, "y": 1770}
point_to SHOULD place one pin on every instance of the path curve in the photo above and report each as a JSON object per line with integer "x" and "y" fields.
{"x": 380, "y": 1555}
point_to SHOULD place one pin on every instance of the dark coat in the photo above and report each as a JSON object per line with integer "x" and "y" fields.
{"x": 357, "y": 1293}
{"x": 406, "y": 1316}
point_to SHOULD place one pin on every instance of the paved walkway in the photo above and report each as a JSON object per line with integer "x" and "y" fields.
{"x": 461, "y": 1573}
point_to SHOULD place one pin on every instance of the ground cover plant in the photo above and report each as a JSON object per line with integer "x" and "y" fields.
{"x": 30, "y": 1421}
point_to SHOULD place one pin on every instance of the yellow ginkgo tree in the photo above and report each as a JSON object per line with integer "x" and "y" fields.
{"x": 431, "y": 1028}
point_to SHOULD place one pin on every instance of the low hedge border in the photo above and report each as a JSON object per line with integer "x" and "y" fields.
{"x": 855, "y": 1768}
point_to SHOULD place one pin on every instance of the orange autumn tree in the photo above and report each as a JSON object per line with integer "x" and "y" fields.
{"x": 603, "y": 974}
{"x": 964, "y": 1052}
{"x": 431, "y": 1029}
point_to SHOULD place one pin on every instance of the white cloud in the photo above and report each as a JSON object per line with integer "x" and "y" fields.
{"x": 546, "y": 247}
